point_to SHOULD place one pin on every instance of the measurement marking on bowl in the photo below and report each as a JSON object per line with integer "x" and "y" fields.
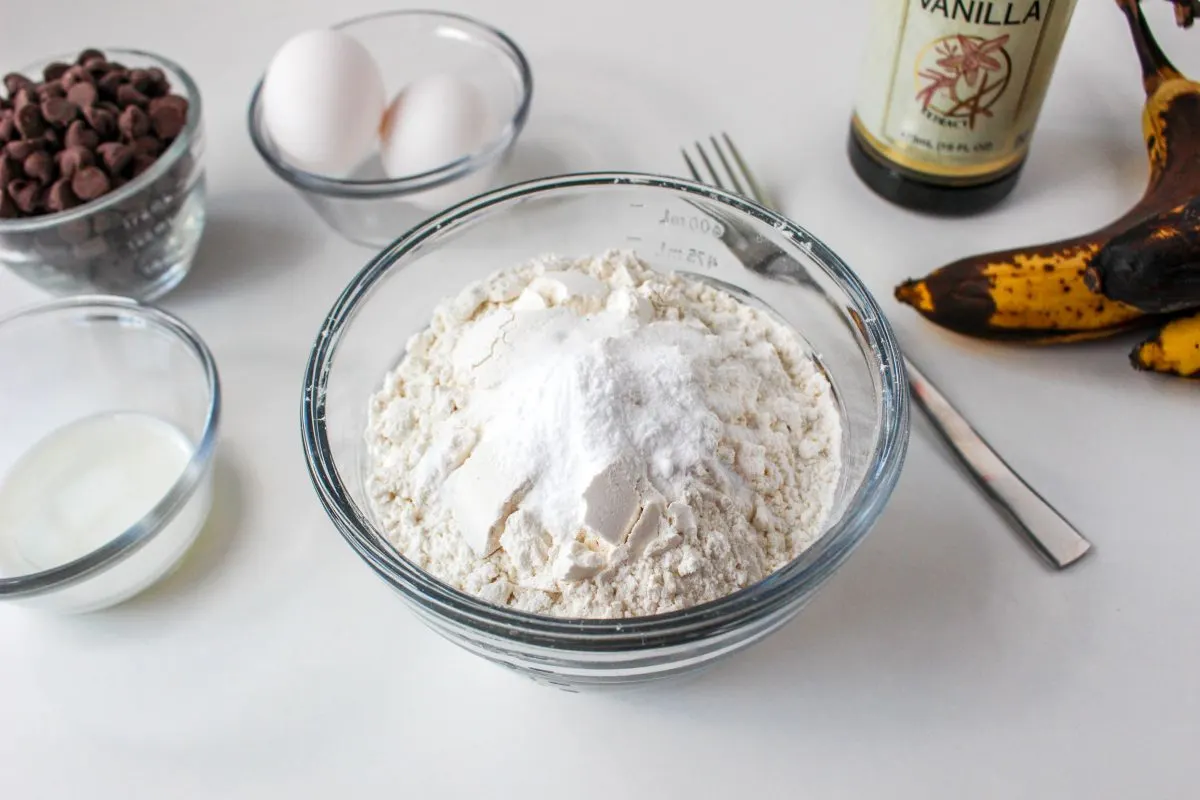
{"x": 686, "y": 255}
{"x": 692, "y": 222}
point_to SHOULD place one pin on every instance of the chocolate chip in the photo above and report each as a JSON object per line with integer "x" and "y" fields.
{"x": 23, "y": 98}
{"x": 10, "y": 170}
{"x": 26, "y": 194}
{"x": 39, "y": 166}
{"x": 59, "y": 111}
{"x": 83, "y": 94}
{"x": 171, "y": 100}
{"x": 89, "y": 183}
{"x": 104, "y": 221}
{"x": 168, "y": 121}
{"x": 127, "y": 95}
{"x": 8, "y": 209}
{"x": 51, "y": 89}
{"x": 90, "y": 249}
{"x": 30, "y": 122}
{"x": 141, "y": 163}
{"x": 77, "y": 231}
{"x": 15, "y": 82}
{"x": 80, "y": 135}
{"x": 21, "y": 148}
{"x": 133, "y": 123}
{"x": 83, "y": 130}
{"x": 147, "y": 146}
{"x": 140, "y": 79}
{"x": 116, "y": 156}
{"x": 89, "y": 54}
{"x": 109, "y": 85}
{"x": 73, "y": 159}
{"x": 61, "y": 196}
{"x": 103, "y": 122}
{"x": 159, "y": 85}
{"x": 54, "y": 70}
{"x": 75, "y": 76}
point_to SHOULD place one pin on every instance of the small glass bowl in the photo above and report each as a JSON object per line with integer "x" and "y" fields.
{"x": 371, "y": 208}
{"x": 137, "y": 241}
{"x": 71, "y": 360}
{"x": 670, "y": 224}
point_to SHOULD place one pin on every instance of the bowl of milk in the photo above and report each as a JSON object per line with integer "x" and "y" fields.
{"x": 111, "y": 413}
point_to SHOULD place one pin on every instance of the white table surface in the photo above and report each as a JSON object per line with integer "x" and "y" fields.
{"x": 943, "y": 661}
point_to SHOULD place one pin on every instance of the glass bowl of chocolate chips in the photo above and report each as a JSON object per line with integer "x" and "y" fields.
{"x": 101, "y": 173}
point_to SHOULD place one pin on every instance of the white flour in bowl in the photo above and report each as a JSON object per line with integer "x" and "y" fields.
{"x": 591, "y": 438}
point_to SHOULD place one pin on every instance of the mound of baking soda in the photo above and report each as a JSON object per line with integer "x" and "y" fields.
{"x": 592, "y": 438}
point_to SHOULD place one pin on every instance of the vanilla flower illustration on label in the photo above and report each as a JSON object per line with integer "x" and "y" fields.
{"x": 954, "y": 87}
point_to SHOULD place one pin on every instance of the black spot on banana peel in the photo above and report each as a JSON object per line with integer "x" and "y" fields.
{"x": 1035, "y": 295}
{"x": 1155, "y": 265}
{"x": 1174, "y": 350}
{"x": 1039, "y": 294}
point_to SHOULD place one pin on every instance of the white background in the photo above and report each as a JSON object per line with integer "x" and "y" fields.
{"x": 943, "y": 661}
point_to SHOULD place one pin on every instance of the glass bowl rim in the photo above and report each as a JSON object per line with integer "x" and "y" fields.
{"x": 161, "y": 165}
{"x": 141, "y": 532}
{"x": 774, "y": 593}
{"x": 439, "y": 176}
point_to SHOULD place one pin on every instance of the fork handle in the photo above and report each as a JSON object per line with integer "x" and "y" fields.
{"x": 1051, "y": 535}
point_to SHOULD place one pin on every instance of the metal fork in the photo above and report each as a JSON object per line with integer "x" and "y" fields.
{"x": 1051, "y": 535}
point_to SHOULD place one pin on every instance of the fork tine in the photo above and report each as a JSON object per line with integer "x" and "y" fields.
{"x": 756, "y": 192}
{"x": 691, "y": 167}
{"x": 733, "y": 178}
{"x": 716, "y": 179}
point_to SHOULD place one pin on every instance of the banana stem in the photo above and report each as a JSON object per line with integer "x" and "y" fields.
{"x": 1185, "y": 12}
{"x": 1156, "y": 67}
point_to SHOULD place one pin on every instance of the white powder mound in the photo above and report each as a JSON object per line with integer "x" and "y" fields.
{"x": 591, "y": 438}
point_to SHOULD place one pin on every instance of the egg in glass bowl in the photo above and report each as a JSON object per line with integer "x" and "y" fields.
{"x": 383, "y": 119}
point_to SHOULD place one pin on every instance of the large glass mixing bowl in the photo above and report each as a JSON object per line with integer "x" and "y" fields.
{"x": 673, "y": 225}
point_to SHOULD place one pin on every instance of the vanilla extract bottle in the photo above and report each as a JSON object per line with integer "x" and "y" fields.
{"x": 949, "y": 94}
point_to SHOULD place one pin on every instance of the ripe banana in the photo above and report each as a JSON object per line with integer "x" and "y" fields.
{"x": 1174, "y": 350}
{"x": 1155, "y": 265}
{"x": 1039, "y": 293}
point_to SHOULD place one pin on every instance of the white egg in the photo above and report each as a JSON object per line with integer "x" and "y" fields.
{"x": 322, "y": 100}
{"x": 434, "y": 121}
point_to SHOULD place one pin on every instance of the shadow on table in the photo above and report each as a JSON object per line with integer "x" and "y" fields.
{"x": 212, "y": 546}
{"x": 1064, "y": 159}
{"x": 913, "y": 605}
{"x": 248, "y": 238}
{"x": 534, "y": 159}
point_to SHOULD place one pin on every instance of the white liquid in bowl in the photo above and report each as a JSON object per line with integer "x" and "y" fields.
{"x": 87, "y": 483}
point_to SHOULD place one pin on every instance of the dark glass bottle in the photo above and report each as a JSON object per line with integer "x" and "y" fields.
{"x": 949, "y": 94}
